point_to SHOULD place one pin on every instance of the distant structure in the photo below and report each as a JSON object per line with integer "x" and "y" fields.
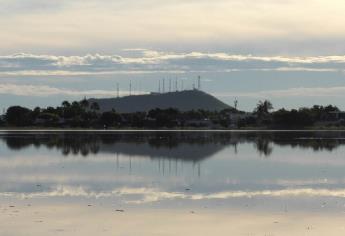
{"x": 184, "y": 101}
{"x": 173, "y": 86}
{"x": 235, "y": 103}
{"x": 118, "y": 90}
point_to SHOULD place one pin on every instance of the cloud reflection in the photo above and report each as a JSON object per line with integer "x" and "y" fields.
{"x": 150, "y": 195}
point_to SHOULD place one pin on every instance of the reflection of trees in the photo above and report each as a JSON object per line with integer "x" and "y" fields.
{"x": 68, "y": 143}
{"x": 315, "y": 144}
{"x": 85, "y": 143}
{"x": 264, "y": 146}
{"x": 193, "y": 145}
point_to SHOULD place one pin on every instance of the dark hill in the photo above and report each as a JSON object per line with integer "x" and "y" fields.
{"x": 184, "y": 101}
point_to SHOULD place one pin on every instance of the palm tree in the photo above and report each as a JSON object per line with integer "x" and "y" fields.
{"x": 84, "y": 103}
{"x": 263, "y": 107}
{"x": 263, "y": 110}
{"x": 66, "y": 104}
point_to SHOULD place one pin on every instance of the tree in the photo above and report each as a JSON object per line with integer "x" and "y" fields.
{"x": 2, "y": 120}
{"x": 94, "y": 106}
{"x": 262, "y": 110}
{"x": 109, "y": 118}
{"x": 84, "y": 103}
{"x": 263, "y": 107}
{"x": 294, "y": 118}
{"x": 66, "y": 104}
{"x": 50, "y": 119}
{"x": 18, "y": 116}
{"x": 36, "y": 112}
{"x": 164, "y": 118}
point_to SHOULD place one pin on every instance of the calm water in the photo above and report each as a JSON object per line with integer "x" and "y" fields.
{"x": 274, "y": 173}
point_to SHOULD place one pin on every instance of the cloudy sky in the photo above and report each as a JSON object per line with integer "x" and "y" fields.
{"x": 288, "y": 51}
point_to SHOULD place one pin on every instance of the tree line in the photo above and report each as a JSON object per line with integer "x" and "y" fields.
{"x": 83, "y": 114}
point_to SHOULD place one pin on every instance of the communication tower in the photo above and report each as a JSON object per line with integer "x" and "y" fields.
{"x": 118, "y": 90}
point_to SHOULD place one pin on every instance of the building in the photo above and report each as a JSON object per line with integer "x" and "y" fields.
{"x": 337, "y": 115}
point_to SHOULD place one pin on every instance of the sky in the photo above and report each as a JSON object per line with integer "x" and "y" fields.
{"x": 288, "y": 51}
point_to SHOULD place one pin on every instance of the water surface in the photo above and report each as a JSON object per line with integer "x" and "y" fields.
{"x": 187, "y": 182}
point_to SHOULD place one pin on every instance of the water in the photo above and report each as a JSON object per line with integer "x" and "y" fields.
{"x": 172, "y": 183}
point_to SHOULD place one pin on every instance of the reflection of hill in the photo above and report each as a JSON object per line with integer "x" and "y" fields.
{"x": 174, "y": 145}
{"x": 191, "y": 146}
{"x": 192, "y": 152}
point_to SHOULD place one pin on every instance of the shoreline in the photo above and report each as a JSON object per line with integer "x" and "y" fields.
{"x": 168, "y": 130}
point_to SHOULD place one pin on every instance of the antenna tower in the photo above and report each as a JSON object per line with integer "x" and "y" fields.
{"x": 118, "y": 90}
{"x": 235, "y": 103}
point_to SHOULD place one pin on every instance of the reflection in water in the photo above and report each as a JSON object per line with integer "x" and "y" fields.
{"x": 184, "y": 171}
{"x": 186, "y": 146}
{"x": 193, "y": 146}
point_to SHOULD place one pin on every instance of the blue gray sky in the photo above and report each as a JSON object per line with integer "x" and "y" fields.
{"x": 290, "y": 52}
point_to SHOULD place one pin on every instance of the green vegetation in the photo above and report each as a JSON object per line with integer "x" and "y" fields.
{"x": 86, "y": 114}
{"x": 182, "y": 100}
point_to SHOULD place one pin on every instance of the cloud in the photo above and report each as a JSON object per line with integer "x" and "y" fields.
{"x": 39, "y": 73}
{"x": 13, "y": 7}
{"x": 44, "y": 90}
{"x": 149, "y": 61}
{"x": 291, "y": 92}
{"x": 54, "y": 25}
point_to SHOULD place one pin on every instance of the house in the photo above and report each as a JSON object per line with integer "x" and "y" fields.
{"x": 199, "y": 123}
{"x": 235, "y": 117}
{"x": 2, "y": 118}
{"x": 337, "y": 115}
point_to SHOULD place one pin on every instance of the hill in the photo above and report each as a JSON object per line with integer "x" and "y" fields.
{"x": 183, "y": 100}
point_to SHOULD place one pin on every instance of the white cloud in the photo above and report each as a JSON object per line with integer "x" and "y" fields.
{"x": 56, "y": 25}
{"x": 37, "y": 73}
{"x": 145, "y": 61}
{"x": 44, "y": 90}
{"x": 291, "y": 92}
